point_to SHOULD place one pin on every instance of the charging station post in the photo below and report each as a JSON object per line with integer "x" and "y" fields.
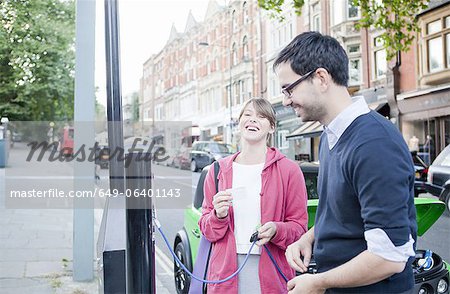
{"x": 139, "y": 226}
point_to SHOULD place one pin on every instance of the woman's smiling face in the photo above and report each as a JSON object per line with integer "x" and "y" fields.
{"x": 254, "y": 126}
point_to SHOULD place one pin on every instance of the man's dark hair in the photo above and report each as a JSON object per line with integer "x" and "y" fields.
{"x": 311, "y": 50}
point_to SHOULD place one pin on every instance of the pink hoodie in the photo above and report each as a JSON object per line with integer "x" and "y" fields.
{"x": 283, "y": 201}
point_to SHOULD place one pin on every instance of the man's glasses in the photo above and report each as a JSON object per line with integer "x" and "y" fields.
{"x": 287, "y": 91}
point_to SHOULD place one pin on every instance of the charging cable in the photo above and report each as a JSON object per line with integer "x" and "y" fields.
{"x": 253, "y": 240}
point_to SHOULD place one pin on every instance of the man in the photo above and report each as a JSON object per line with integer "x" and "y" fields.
{"x": 365, "y": 226}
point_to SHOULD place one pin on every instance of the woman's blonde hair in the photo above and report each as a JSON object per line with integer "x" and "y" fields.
{"x": 263, "y": 108}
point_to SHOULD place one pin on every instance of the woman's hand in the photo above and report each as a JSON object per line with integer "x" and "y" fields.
{"x": 222, "y": 202}
{"x": 266, "y": 232}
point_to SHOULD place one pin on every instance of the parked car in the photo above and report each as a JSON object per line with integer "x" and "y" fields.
{"x": 438, "y": 182}
{"x": 206, "y": 152}
{"x": 421, "y": 172}
{"x": 182, "y": 159}
{"x": 428, "y": 211}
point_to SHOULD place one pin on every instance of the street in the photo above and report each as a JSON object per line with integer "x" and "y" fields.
{"x": 436, "y": 239}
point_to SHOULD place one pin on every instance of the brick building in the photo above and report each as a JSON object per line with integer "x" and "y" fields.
{"x": 236, "y": 44}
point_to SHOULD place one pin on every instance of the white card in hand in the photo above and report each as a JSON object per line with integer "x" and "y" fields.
{"x": 238, "y": 193}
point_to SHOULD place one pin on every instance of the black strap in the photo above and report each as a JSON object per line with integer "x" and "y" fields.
{"x": 216, "y": 180}
{"x": 216, "y": 174}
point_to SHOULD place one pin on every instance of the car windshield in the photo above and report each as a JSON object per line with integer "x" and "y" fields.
{"x": 219, "y": 148}
{"x": 443, "y": 158}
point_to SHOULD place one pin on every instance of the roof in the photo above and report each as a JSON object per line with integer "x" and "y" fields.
{"x": 434, "y": 4}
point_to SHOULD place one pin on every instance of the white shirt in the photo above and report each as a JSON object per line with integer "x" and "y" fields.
{"x": 377, "y": 240}
{"x": 344, "y": 119}
{"x": 246, "y": 204}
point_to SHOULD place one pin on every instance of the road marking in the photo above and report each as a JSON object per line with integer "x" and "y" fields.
{"x": 46, "y": 177}
{"x": 165, "y": 262}
{"x": 173, "y": 177}
{"x": 185, "y": 184}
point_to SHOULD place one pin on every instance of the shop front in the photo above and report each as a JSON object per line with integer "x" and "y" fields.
{"x": 425, "y": 115}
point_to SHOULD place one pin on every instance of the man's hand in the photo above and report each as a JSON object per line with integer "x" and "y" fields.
{"x": 222, "y": 202}
{"x": 266, "y": 232}
{"x": 305, "y": 283}
{"x": 303, "y": 247}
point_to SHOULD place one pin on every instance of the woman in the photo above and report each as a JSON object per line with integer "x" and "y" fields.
{"x": 259, "y": 189}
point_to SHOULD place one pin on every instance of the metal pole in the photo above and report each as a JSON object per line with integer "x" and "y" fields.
{"x": 112, "y": 244}
{"x": 114, "y": 94}
{"x": 84, "y": 115}
{"x": 140, "y": 241}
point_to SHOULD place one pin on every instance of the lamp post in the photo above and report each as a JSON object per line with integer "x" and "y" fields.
{"x": 230, "y": 99}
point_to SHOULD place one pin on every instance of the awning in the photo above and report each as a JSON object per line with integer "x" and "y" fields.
{"x": 377, "y": 105}
{"x": 307, "y": 130}
{"x": 314, "y": 128}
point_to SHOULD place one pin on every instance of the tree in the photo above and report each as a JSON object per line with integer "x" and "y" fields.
{"x": 135, "y": 107}
{"x": 395, "y": 18}
{"x": 37, "y": 59}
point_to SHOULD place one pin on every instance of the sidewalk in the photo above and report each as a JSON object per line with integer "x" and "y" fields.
{"x": 36, "y": 247}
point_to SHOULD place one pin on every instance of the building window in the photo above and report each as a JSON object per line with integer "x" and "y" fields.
{"x": 436, "y": 44}
{"x": 316, "y": 17}
{"x": 228, "y": 97}
{"x": 245, "y": 47}
{"x": 245, "y": 12}
{"x": 380, "y": 63}
{"x": 379, "y": 58}
{"x": 216, "y": 63}
{"x": 316, "y": 23}
{"x": 434, "y": 27}
{"x": 355, "y": 71}
{"x": 243, "y": 91}
{"x": 234, "y": 21}
{"x": 354, "y": 48}
{"x": 236, "y": 92}
{"x": 435, "y": 58}
{"x": 337, "y": 11}
{"x": 291, "y": 32}
{"x": 447, "y": 45}
{"x": 352, "y": 11}
{"x": 208, "y": 65}
{"x": 234, "y": 52}
{"x": 282, "y": 141}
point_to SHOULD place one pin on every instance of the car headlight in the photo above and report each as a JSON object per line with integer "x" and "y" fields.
{"x": 442, "y": 286}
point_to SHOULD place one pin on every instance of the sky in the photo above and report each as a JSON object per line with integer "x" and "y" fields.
{"x": 144, "y": 30}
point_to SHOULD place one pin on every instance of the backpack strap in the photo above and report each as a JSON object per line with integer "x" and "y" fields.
{"x": 216, "y": 174}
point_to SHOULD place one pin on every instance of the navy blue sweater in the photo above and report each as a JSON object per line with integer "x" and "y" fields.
{"x": 365, "y": 182}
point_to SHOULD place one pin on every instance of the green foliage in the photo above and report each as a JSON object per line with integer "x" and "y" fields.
{"x": 395, "y": 19}
{"x": 135, "y": 107}
{"x": 275, "y": 7}
{"x": 37, "y": 59}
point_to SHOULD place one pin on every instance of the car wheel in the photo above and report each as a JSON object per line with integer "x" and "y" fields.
{"x": 193, "y": 166}
{"x": 446, "y": 199}
{"x": 182, "y": 279}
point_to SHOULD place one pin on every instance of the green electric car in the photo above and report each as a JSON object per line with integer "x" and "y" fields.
{"x": 434, "y": 280}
